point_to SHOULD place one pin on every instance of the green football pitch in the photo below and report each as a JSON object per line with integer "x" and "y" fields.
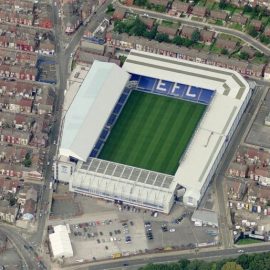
{"x": 152, "y": 132}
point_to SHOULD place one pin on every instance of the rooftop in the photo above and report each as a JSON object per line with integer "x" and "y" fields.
{"x": 60, "y": 242}
{"x": 88, "y": 110}
{"x": 206, "y": 216}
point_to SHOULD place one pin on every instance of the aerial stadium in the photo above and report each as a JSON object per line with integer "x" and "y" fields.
{"x": 150, "y": 133}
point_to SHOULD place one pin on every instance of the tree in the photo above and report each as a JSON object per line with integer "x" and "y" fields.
{"x": 252, "y": 31}
{"x": 161, "y": 37}
{"x": 177, "y": 40}
{"x": 222, "y": 4}
{"x": 160, "y": 8}
{"x": 195, "y": 37}
{"x": 27, "y": 162}
{"x": 120, "y": 27}
{"x": 247, "y": 9}
{"x": 140, "y": 2}
{"x": 138, "y": 28}
{"x": 243, "y": 260}
{"x": 244, "y": 55}
{"x": 12, "y": 201}
{"x": 183, "y": 263}
{"x": 264, "y": 39}
{"x": 27, "y": 156}
{"x": 224, "y": 51}
{"x": 122, "y": 59}
{"x": 231, "y": 266}
{"x": 110, "y": 8}
{"x": 187, "y": 42}
{"x": 152, "y": 33}
{"x": 259, "y": 54}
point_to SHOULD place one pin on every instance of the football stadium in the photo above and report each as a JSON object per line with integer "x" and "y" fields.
{"x": 150, "y": 133}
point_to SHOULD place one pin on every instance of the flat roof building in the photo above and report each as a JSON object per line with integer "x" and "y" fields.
{"x": 90, "y": 109}
{"x": 205, "y": 217}
{"x": 60, "y": 242}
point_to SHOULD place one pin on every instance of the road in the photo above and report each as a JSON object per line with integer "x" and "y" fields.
{"x": 18, "y": 242}
{"x": 224, "y": 215}
{"x": 63, "y": 59}
{"x": 250, "y": 40}
{"x": 141, "y": 260}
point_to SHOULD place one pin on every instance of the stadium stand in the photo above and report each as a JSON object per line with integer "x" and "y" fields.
{"x": 111, "y": 121}
{"x": 227, "y": 99}
{"x": 177, "y": 90}
{"x": 180, "y": 90}
{"x": 206, "y": 96}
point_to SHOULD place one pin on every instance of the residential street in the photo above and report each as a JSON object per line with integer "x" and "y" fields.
{"x": 255, "y": 43}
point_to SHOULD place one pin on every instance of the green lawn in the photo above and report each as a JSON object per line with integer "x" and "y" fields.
{"x": 248, "y": 241}
{"x": 197, "y": 19}
{"x": 260, "y": 59}
{"x": 198, "y": 46}
{"x": 152, "y": 132}
{"x": 236, "y": 26}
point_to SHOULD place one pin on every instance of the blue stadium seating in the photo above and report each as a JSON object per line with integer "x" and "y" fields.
{"x": 117, "y": 108}
{"x": 206, "y": 96}
{"x": 134, "y": 77}
{"x": 111, "y": 120}
{"x": 104, "y": 134}
{"x": 126, "y": 91}
{"x": 179, "y": 91}
{"x": 94, "y": 153}
{"x": 163, "y": 87}
{"x": 192, "y": 93}
{"x": 99, "y": 144}
{"x": 146, "y": 83}
{"x": 122, "y": 99}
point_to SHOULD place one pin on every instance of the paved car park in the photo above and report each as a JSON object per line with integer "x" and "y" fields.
{"x": 178, "y": 235}
{"x": 106, "y": 229}
{"x": 103, "y": 238}
{"x": 128, "y": 233}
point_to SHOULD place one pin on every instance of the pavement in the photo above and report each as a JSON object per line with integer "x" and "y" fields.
{"x": 18, "y": 242}
{"x": 225, "y": 227}
{"x": 141, "y": 260}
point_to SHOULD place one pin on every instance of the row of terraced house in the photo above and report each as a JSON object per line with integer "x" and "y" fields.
{"x": 126, "y": 43}
{"x": 25, "y": 13}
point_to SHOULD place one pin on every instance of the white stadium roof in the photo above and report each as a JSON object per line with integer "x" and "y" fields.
{"x": 224, "y": 81}
{"x": 91, "y": 108}
{"x": 60, "y": 242}
{"x": 124, "y": 182}
{"x": 231, "y": 92}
